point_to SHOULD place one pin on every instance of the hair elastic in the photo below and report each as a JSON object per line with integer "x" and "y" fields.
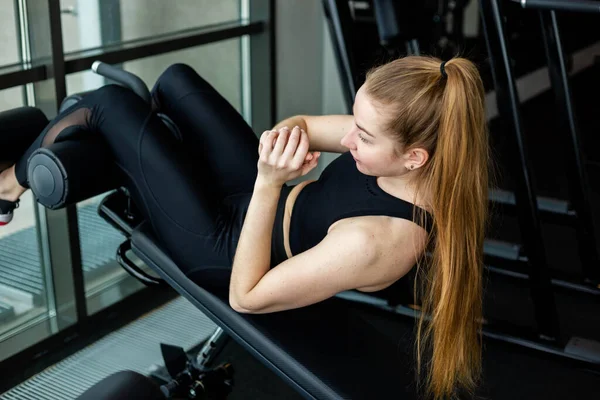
{"x": 442, "y": 70}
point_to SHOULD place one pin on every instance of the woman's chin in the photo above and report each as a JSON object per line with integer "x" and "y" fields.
{"x": 361, "y": 167}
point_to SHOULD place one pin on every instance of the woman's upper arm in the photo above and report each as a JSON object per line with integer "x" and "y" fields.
{"x": 339, "y": 262}
{"x": 326, "y": 131}
{"x": 345, "y": 259}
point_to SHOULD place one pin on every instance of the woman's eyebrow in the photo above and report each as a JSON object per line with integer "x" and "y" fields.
{"x": 363, "y": 129}
{"x": 360, "y": 127}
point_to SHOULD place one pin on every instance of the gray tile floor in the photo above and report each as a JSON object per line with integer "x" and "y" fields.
{"x": 134, "y": 347}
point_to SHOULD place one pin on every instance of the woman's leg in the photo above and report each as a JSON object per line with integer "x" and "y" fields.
{"x": 172, "y": 192}
{"x": 210, "y": 126}
{"x": 19, "y": 127}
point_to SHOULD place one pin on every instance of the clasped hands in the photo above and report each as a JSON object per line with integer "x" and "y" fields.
{"x": 284, "y": 155}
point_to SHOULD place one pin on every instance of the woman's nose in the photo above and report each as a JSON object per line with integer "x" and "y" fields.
{"x": 347, "y": 141}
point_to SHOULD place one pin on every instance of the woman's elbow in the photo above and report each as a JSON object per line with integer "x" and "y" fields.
{"x": 239, "y": 308}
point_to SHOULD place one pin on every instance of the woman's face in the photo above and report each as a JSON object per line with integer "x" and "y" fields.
{"x": 371, "y": 147}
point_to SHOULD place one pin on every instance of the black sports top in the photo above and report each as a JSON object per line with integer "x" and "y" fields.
{"x": 342, "y": 191}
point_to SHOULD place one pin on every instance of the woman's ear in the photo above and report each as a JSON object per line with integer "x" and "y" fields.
{"x": 416, "y": 157}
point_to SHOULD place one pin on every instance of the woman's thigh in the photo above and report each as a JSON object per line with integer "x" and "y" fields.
{"x": 175, "y": 194}
{"x": 211, "y": 127}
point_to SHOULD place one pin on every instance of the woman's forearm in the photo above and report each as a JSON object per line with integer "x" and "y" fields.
{"x": 290, "y": 122}
{"x": 253, "y": 254}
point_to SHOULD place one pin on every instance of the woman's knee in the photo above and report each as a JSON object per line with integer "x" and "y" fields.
{"x": 179, "y": 71}
{"x": 179, "y": 79}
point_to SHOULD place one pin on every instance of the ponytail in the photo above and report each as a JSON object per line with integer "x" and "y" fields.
{"x": 440, "y": 107}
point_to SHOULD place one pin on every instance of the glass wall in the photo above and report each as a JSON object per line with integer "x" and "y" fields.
{"x": 93, "y": 23}
{"x": 23, "y": 292}
{"x": 8, "y": 33}
{"x": 41, "y": 293}
{"x": 12, "y": 97}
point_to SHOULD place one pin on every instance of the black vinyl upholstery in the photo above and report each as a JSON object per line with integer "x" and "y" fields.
{"x": 324, "y": 351}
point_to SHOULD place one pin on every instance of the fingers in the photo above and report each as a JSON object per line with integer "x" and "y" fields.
{"x": 292, "y": 145}
{"x": 286, "y": 144}
{"x": 285, "y": 147}
{"x": 267, "y": 135}
{"x": 266, "y": 144}
{"x": 280, "y": 143}
{"x": 301, "y": 150}
{"x": 310, "y": 165}
{"x": 311, "y": 156}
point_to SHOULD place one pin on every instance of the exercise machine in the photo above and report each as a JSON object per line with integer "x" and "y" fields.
{"x": 528, "y": 260}
{"x": 508, "y": 259}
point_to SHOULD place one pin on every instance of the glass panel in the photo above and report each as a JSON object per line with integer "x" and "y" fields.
{"x": 12, "y": 98}
{"x": 22, "y": 289}
{"x": 23, "y": 294}
{"x": 105, "y": 282}
{"x": 8, "y": 33}
{"x": 226, "y": 78}
{"x": 93, "y": 23}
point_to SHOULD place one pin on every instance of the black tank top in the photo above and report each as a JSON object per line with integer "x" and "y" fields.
{"x": 342, "y": 191}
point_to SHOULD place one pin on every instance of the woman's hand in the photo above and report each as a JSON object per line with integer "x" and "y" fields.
{"x": 284, "y": 156}
{"x": 309, "y": 155}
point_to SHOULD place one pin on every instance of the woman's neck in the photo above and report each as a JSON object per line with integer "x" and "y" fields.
{"x": 403, "y": 188}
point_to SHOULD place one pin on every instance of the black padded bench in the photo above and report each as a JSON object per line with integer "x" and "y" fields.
{"x": 324, "y": 351}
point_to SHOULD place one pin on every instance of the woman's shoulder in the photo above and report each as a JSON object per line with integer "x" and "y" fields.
{"x": 381, "y": 230}
{"x": 397, "y": 243}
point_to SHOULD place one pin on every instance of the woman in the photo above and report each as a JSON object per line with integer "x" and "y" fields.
{"x": 413, "y": 177}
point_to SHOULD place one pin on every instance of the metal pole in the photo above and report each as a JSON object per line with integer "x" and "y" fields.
{"x": 72, "y": 226}
{"x": 258, "y": 79}
{"x": 527, "y": 211}
{"x": 563, "y": 5}
{"x": 576, "y": 174}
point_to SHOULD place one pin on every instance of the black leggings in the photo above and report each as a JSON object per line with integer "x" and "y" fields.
{"x": 194, "y": 190}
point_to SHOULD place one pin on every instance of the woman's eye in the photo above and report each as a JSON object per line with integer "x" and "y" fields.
{"x": 362, "y": 138}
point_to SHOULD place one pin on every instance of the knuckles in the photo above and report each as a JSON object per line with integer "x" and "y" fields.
{"x": 296, "y": 165}
{"x": 281, "y": 165}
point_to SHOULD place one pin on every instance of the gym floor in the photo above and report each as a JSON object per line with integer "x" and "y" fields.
{"x": 510, "y": 372}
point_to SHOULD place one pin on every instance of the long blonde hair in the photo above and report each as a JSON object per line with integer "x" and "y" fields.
{"x": 446, "y": 116}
